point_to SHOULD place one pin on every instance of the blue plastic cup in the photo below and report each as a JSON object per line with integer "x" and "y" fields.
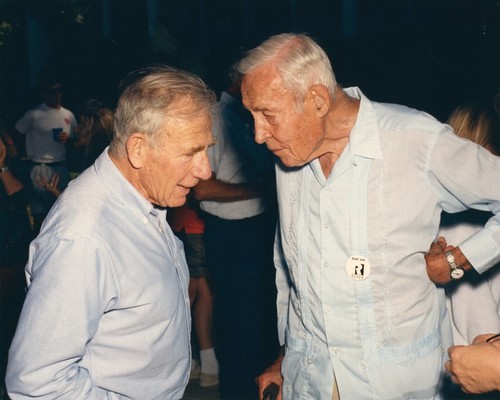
{"x": 55, "y": 133}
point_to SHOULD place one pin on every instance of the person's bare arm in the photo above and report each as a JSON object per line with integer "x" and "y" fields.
{"x": 215, "y": 190}
{"x": 7, "y": 179}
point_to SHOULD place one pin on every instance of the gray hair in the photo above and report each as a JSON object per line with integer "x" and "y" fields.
{"x": 152, "y": 95}
{"x": 300, "y": 61}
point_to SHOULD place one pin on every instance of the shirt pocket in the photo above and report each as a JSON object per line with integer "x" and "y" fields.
{"x": 415, "y": 368}
{"x": 415, "y": 350}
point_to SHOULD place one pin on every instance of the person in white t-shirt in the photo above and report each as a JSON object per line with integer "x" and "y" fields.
{"x": 47, "y": 128}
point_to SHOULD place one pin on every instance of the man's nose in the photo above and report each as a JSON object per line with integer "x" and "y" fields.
{"x": 261, "y": 133}
{"x": 203, "y": 169}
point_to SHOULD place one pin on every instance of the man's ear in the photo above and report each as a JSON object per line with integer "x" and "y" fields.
{"x": 321, "y": 99}
{"x": 137, "y": 147}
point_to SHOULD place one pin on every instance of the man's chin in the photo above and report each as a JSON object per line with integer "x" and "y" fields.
{"x": 178, "y": 201}
{"x": 291, "y": 162}
{"x": 287, "y": 159}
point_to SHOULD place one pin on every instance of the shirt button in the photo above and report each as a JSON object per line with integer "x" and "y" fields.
{"x": 334, "y": 350}
{"x": 326, "y": 226}
{"x": 328, "y": 310}
{"x": 325, "y": 265}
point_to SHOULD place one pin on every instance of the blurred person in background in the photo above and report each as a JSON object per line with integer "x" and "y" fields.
{"x": 93, "y": 134}
{"x": 15, "y": 235}
{"x": 47, "y": 127}
{"x": 189, "y": 227}
{"x": 238, "y": 204}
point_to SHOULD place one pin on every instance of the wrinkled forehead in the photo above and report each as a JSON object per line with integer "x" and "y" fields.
{"x": 262, "y": 88}
{"x": 185, "y": 137}
{"x": 195, "y": 126}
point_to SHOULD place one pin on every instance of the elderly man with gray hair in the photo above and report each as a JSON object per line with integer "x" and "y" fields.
{"x": 107, "y": 309}
{"x": 361, "y": 186}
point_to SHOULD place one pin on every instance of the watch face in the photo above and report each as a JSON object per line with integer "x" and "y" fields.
{"x": 457, "y": 273}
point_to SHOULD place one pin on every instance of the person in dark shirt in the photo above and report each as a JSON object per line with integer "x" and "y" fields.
{"x": 15, "y": 236}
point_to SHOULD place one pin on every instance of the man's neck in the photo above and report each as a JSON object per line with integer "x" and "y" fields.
{"x": 343, "y": 114}
{"x": 341, "y": 120}
{"x": 54, "y": 106}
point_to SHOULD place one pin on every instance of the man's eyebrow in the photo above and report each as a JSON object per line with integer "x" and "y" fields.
{"x": 260, "y": 108}
{"x": 197, "y": 149}
{"x": 264, "y": 106}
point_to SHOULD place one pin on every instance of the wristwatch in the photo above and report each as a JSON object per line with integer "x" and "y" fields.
{"x": 456, "y": 272}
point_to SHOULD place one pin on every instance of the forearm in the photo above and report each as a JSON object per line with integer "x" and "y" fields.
{"x": 59, "y": 319}
{"x": 77, "y": 387}
{"x": 10, "y": 182}
{"x": 44, "y": 362}
{"x": 214, "y": 190}
{"x": 494, "y": 363}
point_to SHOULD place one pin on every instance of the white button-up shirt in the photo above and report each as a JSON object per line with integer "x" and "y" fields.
{"x": 107, "y": 311}
{"x": 354, "y": 296}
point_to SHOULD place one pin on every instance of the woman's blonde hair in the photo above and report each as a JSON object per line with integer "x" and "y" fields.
{"x": 478, "y": 124}
{"x": 95, "y": 120}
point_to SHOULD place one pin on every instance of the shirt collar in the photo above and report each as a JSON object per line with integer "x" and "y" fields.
{"x": 123, "y": 191}
{"x": 364, "y": 138}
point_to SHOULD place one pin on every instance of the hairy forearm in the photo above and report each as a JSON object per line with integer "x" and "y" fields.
{"x": 214, "y": 190}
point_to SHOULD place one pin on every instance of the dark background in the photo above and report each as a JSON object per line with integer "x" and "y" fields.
{"x": 428, "y": 54}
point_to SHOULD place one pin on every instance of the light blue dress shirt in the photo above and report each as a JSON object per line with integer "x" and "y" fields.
{"x": 354, "y": 298}
{"x": 107, "y": 310}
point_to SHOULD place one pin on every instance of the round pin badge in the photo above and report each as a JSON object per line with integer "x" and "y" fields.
{"x": 357, "y": 267}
